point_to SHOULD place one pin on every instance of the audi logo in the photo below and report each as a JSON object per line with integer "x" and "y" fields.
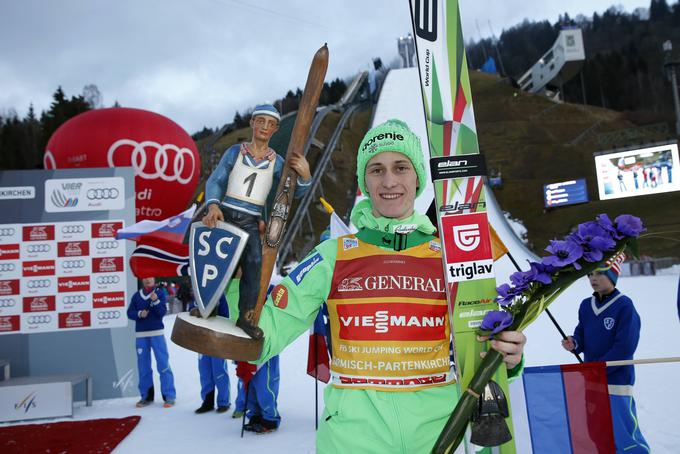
{"x": 102, "y": 193}
{"x": 4, "y": 267}
{"x": 7, "y": 231}
{"x": 108, "y": 279}
{"x": 73, "y": 264}
{"x": 7, "y": 302}
{"x": 73, "y": 229}
{"x": 108, "y": 315}
{"x": 161, "y": 165}
{"x": 74, "y": 299}
{"x": 39, "y": 319}
{"x": 107, "y": 245}
{"x": 32, "y": 248}
{"x": 39, "y": 283}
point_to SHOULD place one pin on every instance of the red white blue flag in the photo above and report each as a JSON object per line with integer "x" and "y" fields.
{"x": 171, "y": 229}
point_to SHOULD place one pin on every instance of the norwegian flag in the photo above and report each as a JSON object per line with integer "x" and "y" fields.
{"x": 158, "y": 257}
{"x": 318, "y": 359}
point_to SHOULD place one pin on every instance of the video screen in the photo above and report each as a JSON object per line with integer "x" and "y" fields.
{"x": 643, "y": 171}
{"x": 565, "y": 193}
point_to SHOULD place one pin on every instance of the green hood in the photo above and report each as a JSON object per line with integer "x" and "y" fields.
{"x": 363, "y": 218}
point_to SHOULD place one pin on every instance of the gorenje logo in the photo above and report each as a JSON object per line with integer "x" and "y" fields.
{"x": 383, "y": 136}
{"x": 426, "y": 19}
{"x": 466, "y": 237}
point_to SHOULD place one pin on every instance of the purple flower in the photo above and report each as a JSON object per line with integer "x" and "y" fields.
{"x": 607, "y": 224}
{"x": 594, "y": 239}
{"x": 521, "y": 280}
{"x": 496, "y": 321}
{"x": 506, "y": 294}
{"x": 564, "y": 253}
{"x": 541, "y": 273}
{"x": 627, "y": 225}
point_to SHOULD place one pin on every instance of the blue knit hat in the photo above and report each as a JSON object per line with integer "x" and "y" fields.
{"x": 266, "y": 109}
{"x": 612, "y": 267}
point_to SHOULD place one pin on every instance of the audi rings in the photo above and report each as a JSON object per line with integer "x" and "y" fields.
{"x": 102, "y": 280}
{"x": 73, "y": 264}
{"x": 38, "y": 283}
{"x": 108, "y": 315}
{"x": 7, "y": 231}
{"x": 39, "y": 319}
{"x": 74, "y": 299}
{"x": 5, "y": 267}
{"x": 33, "y": 248}
{"x": 102, "y": 193}
{"x": 161, "y": 168}
{"x": 7, "y": 302}
{"x": 78, "y": 228}
{"x": 107, "y": 244}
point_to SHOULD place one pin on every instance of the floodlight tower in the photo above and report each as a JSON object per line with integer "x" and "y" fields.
{"x": 407, "y": 50}
{"x": 670, "y": 64}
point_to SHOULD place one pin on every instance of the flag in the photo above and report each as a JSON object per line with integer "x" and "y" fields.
{"x": 159, "y": 257}
{"x": 318, "y": 360}
{"x": 172, "y": 229}
{"x": 562, "y": 410}
{"x": 498, "y": 249}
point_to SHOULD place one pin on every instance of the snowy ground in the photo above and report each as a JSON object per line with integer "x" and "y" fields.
{"x": 179, "y": 430}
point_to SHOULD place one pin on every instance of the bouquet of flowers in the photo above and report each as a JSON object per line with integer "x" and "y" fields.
{"x": 530, "y": 292}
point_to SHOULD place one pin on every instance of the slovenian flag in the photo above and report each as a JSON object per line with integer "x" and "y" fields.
{"x": 171, "y": 229}
{"x": 562, "y": 410}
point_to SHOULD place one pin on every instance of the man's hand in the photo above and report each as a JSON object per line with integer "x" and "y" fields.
{"x": 143, "y": 313}
{"x": 510, "y": 344}
{"x": 568, "y": 344}
{"x": 214, "y": 215}
{"x": 153, "y": 295}
{"x": 301, "y": 166}
{"x": 245, "y": 371}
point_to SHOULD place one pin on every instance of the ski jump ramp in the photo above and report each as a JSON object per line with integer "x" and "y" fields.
{"x": 401, "y": 98}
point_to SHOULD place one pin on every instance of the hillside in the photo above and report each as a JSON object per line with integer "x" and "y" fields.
{"x": 534, "y": 141}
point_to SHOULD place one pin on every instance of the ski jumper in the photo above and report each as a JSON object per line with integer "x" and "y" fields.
{"x": 393, "y": 386}
{"x": 243, "y": 187}
{"x": 150, "y": 337}
{"x": 608, "y": 330}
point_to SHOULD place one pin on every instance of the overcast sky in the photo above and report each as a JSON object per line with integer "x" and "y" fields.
{"x": 198, "y": 61}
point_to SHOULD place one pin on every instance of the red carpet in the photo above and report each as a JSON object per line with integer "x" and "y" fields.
{"x": 72, "y": 437}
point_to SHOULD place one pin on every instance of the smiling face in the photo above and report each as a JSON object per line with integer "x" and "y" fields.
{"x": 391, "y": 182}
{"x": 264, "y": 127}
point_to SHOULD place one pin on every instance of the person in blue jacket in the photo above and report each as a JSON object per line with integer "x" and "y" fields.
{"x": 214, "y": 373}
{"x": 147, "y": 308}
{"x": 238, "y": 191}
{"x": 258, "y": 391}
{"x": 608, "y": 329}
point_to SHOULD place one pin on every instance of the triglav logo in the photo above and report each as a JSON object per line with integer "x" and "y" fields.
{"x": 27, "y": 403}
{"x": 466, "y": 236}
{"x": 163, "y": 165}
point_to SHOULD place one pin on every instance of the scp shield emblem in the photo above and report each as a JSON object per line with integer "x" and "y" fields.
{"x": 214, "y": 254}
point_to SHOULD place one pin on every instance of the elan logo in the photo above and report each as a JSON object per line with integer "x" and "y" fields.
{"x": 466, "y": 237}
{"x": 451, "y": 163}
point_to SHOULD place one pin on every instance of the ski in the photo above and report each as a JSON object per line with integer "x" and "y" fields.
{"x": 457, "y": 170}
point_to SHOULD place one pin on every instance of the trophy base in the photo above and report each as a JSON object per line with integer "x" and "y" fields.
{"x": 215, "y": 336}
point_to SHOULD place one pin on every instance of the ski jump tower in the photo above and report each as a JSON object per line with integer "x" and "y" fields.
{"x": 558, "y": 65}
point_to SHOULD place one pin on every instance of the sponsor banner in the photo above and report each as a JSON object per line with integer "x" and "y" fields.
{"x": 108, "y": 282}
{"x": 10, "y": 323}
{"x": 38, "y": 322}
{"x": 10, "y": 269}
{"x": 38, "y": 268}
{"x": 84, "y": 194}
{"x": 109, "y": 317}
{"x": 72, "y": 231}
{"x": 447, "y": 167}
{"x": 9, "y": 287}
{"x": 74, "y": 319}
{"x": 38, "y": 286}
{"x": 279, "y": 296}
{"x": 107, "y": 264}
{"x": 17, "y": 192}
{"x": 106, "y": 247}
{"x": 108, "y": 299}
{"x": 10, "y": 305}
{"x": 467, "y": 247}
{"x": 74, "y": 266}
{"x": 305, "y": 267}
{"x": 73, "y": 248}
{"x": 105, "y": 229}
{"x": 392, "y": 383}
{"x": 38, "y": 232}
{"x": 67, "y": 302}
{"x": 74, "y": 284}
{"x": 42, "y": 400}
{"x": 9, "y": 252}
{"x": 39, "y": 303}
{"x": 10, "y": 234}
{"x": 392, "y": 321}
